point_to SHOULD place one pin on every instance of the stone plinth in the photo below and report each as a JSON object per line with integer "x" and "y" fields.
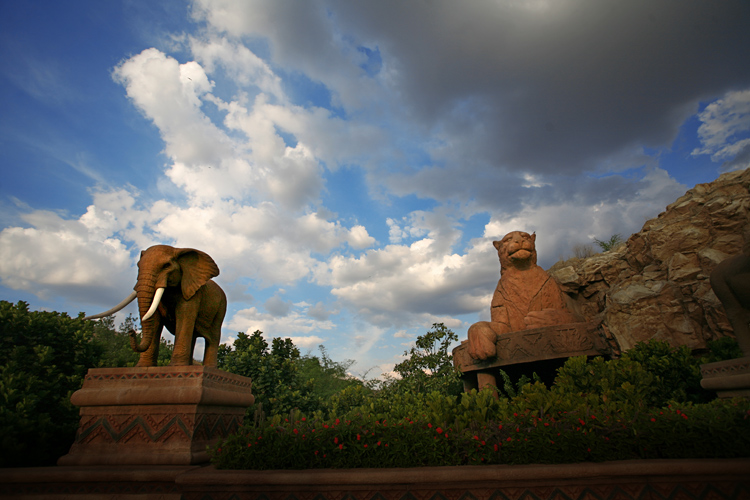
{"x": 156, "y": 415}
{"x": 528, "y": 346}
{"x": 730, "y": 378}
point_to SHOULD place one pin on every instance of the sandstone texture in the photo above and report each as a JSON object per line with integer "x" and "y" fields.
{"x": 656, "y": 286}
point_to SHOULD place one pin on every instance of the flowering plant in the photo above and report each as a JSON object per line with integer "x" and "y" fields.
{"x": 511, "y": 434}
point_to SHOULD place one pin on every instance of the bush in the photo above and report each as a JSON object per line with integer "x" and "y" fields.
{"x": 498, "y": 433}
{"x": 638, "y": 406}
{"x": 275, "y": 373}
{"x": 43, "y": 359}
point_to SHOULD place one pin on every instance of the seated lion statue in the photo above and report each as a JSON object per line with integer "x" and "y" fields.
{"x": 526, "y": 296}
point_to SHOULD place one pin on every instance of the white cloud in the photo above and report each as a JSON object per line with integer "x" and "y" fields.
{"x": 292, "y": 324}
{"x": 58, "y": 256}
{"x": 725, "y": 131}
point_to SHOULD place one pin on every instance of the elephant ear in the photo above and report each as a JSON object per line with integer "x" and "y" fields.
{"x": 197, "y": 268}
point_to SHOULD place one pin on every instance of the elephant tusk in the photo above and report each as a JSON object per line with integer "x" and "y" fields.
{"x": 119, "y": 306}
{"x": 154, "y": 304}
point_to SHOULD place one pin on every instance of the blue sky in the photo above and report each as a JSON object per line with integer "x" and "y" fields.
{"x": 348, "y": 164}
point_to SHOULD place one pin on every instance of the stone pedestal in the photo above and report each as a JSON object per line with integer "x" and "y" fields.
{"x": 730, "y": 378}
{"x": 536, "y": 345}
{"x": 158, "y": 415}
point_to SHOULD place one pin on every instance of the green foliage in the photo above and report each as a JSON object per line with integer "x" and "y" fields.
{"x": 43, "y": 359}
{"x": 677, "y": 374}
{"x": 327, "y": 377}
{"x": 722, "y": 349}
{"x": 277, "y": 385}
{"x": 429, "y": 364}
{"x": 498, "y": 432}
{"x": 116, "y": 343}
{"x": 639, "y": 406}
{"x": 609, "y": 244}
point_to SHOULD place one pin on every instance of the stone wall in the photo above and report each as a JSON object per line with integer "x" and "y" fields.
{"x": 657, "y": 284}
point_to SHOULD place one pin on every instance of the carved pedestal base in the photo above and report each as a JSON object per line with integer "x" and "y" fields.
{"x": 158, "y": 415}
{"x": 526, "y": 347}
{"x": 729, "y": 378}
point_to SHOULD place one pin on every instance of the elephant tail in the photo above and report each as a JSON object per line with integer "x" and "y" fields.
{"x": 134, "y": 342}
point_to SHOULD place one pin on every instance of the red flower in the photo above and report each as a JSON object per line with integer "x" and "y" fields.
{"x": 338, "y": 421}
{"x": 483, "y": 443}
{"x": 358, "y": 437}
{"x": 684, "y": 416}
{"x": 336, "y": 440}
{"x": 439, "y": 430}
{"x": 429, "y": 425}
{"x": 476, "y": 437}
{"x": 582, "y": 421}
{"x": 551, "y": 442}
{"x": 378, "y": 443}
{"x": 653, "y": 419}
{"x": 495, "y": 447}
{"x": 249, "y": 445}
{"x": 316, "y": 452}
{"x": 341, "y": 447}
{"x": 303, "y": 419}
{"x": 509, "y": 439}
{"x": 500, "y": 427}
{"x": 365, "y": 445}
{"x": 296, "y": 431}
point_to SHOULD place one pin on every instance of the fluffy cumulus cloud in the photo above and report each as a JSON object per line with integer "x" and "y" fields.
{"x": 725, "y": 130}
{"x": 465, "y": 120}
{"x": 295, "y": 324}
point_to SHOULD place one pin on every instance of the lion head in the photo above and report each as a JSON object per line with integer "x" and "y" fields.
{"x": 517, "y": 250}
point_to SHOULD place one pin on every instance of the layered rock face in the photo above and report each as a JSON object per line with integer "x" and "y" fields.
{"x": 657, "y": 284}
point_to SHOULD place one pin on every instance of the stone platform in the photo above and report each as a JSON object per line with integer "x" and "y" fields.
{"x": 730, "y": 378}
{"x": 534, "y": 346}
{"x": 157, "y": 415}
{"x": 698, "y": 479}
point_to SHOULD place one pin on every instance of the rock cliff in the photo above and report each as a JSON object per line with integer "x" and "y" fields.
{"x": 656, "y": 285}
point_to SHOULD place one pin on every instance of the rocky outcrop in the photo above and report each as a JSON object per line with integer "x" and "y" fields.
{"x": 657, "y": 284}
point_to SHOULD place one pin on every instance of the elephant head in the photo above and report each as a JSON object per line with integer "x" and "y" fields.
{"x": 163, "y": 266}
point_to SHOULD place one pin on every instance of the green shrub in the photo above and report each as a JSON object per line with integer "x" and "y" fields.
{"x": 497, "y": 433}
{"x": 677, "y": 374}
{"x": 722, "y": 349}
{"x": 638, "y": 406}
{"x": 43, "y": 359}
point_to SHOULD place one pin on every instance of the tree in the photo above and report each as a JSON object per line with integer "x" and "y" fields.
{"x": 43, "y": 359}
{"x": 277, "y": 385}
{"x": 116, "y": 344}
{"x": 429, "y": 365}
{"x": 327, "y": 376}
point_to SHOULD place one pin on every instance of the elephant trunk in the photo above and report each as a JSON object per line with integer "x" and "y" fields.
{"x": 147, "y": 290}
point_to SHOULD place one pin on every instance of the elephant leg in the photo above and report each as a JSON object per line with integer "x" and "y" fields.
{"x": 213, "y": 339}
{"x": 184, "y": 334}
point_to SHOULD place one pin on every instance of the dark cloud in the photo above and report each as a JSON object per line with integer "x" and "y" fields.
{"x": 555, "y": 86}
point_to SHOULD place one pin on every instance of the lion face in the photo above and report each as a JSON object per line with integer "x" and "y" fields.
{"x": 516, "y": 250}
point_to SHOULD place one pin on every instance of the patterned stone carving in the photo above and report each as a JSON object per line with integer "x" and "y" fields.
{"x": 729, "y": 378}
{"x": 156, "y": 415}
{"x": 552, "y": 342}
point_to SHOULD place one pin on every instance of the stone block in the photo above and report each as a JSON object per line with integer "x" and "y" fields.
{"x": 155, "y": 415}
{"x": 730, "y": 378}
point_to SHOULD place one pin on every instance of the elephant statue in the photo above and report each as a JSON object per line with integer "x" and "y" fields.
{"x": 175, "y": 289}
{"x": 730, "y": 281}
